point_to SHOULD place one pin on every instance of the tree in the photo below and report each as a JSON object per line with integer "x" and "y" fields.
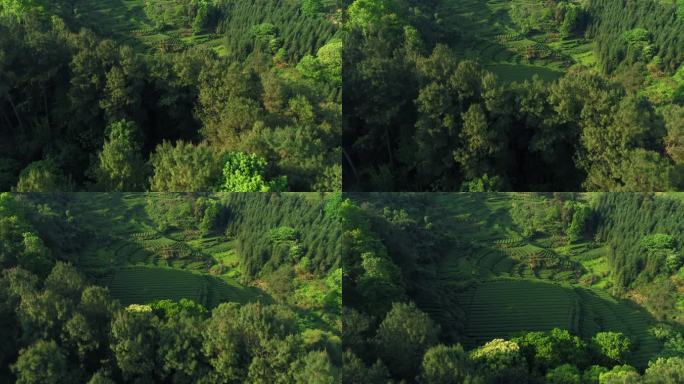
{"x": 280, "y": 363}
{"x": 662, "y": 249}
{"x": 179, "y": 356}
{"x": 500, "y": 361}
{"x": 41, "y": 363}
{"x": 644, "y": 170}
{"x": 380, "y": 283}
{"x": 185, "y": 167}
{"x": 311, "y": 7}
{"x": 134, "y": 339}
{"x": 210, "y": 218}
{"x": 88, "y": 331}
{"x": 65, "y": 281}
{"x": 316, "y": 368}
{"x": 580, "y": 219}
{"x": 480, "y": 143}
{"x": 20, "y": 8}
{"x": 222, "y": 344}
{"x": 354, "y": 371}
{"x": 100, "y": 378}
{"x": 363, "y": 14}
{"x": 564, "y": 374}
{"x": 445, "y": 365}
{"x": 355, "y": 326}
{"x": 620, "y": 374}
{"x": 403, "y": 337}
{"x": 544, "y": 350}
{"x": 591, "y": 375}
{"x": 121, "y": 166}
{"x": 613, "y": 347}
{"x": 35, "y": 256}
{"x": 43, "y": 176}
{"x": 571, "y": 20}
{"x": 485, "y": 183}
{"x": 619, "y": 151}
{"x": 665, "y": 371}
{"x": 246, "y": 173}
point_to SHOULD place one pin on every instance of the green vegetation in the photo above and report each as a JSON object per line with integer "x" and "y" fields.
{"x": 160, "y": 95}
{"x": 513, "y": 288}
{"x": 181, "y": 288}
{"x": 519, "y": 95}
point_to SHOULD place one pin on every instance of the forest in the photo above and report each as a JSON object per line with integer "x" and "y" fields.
{"x": 170, "y": 96}
{"x": 519, "y": 95}
{"x": 170, "y": 288}
{"x": 512, "y": 288}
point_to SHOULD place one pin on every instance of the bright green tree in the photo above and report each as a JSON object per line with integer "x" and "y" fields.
{"x": 246, "y": 173}
{"x": 613, "y": 346}
{"x": 665, "y": 371}
{"x": 620, "y": 374}
{"x": 500, "y": 361}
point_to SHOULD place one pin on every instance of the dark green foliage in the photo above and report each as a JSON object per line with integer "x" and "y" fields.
{"x": 355, "y": 371}
{"x": 564, "y": 374}
{"x": 445, "y": 365}
{"x": 185, "y": 167}
{"x": 626, "y": 219}
{"x": 402, "y": 338}
{"x": 121, "y": 166}
{"x": 647, "y": 28}
{"x": 441, "y": 252}
{"x": 423, "y": 115}
{"x": 61, "y": 329}
{"x": 545, "y": 350}
{"x": 272, "y": 214}
{"x": 288, "y": 28}
{"x": 64, "y": 94}
{"x": 42, "y": 362}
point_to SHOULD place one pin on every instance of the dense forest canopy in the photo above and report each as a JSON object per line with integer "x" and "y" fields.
{"x": 164, "y": 99}
{"x": 169, "y": 288}
{"x": 524, "y": 95}
{"x": 512, "y": 288}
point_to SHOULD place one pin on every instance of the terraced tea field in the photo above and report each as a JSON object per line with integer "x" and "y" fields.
{"x": 140, "y": 263}
{"x": 504, "y": 307}
{"x": 505, "y": 283}
{"x": 489, "y": 35}
{"x": 125, "y": 20}
{"x": 138, "y": 285}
